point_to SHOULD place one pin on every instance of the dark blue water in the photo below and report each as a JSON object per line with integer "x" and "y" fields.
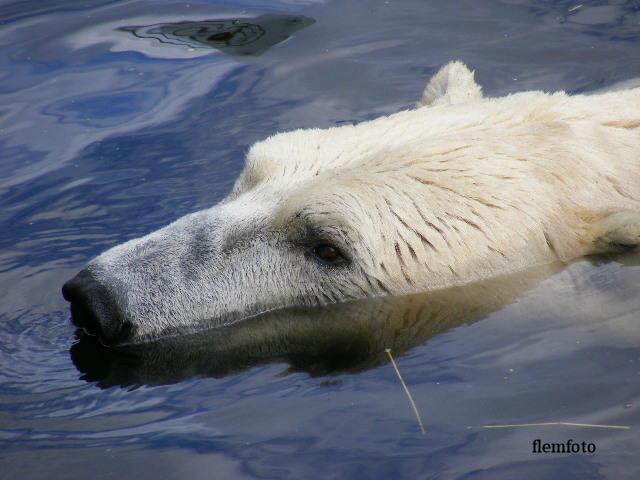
{"x": 114, "y": 121}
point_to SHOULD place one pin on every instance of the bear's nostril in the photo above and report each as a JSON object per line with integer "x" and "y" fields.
{"x": 94, "y": 310}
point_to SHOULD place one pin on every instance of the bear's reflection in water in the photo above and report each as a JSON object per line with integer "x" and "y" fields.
{"x": 341, "y": 338}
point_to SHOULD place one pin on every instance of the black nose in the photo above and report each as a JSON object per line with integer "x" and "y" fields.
{"x": 94, "y": 310}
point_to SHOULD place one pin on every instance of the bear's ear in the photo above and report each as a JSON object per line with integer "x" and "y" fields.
{"x": 454, "y": 83}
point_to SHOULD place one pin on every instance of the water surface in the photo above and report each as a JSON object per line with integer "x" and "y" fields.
{"x": 117, "y": 117}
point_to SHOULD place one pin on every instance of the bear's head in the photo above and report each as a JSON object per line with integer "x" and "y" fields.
{"x": 452, "y": 191}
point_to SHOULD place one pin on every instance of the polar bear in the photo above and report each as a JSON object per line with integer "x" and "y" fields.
{"x": 458, "y": 189}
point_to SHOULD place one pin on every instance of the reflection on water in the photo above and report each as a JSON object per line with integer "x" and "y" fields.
{"x": 343, "y": 338}
{"x": 244, "y": 36}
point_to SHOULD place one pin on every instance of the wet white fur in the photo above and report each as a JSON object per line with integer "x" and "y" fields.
{"x": 458, "y": 189}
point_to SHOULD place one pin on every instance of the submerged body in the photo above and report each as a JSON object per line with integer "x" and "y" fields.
{"x": 459, "y": 189}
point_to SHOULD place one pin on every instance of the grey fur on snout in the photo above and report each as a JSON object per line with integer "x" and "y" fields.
{"x": 208, "y": 269}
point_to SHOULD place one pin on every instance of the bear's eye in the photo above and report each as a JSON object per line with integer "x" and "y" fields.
{"x": 327, "y": 254}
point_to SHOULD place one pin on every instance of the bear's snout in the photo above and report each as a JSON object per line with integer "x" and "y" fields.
{"x": 93, "y": 309}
